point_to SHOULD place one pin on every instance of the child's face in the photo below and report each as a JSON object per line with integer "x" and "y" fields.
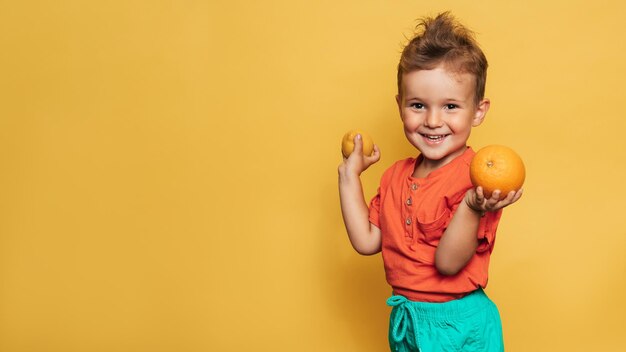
{"x": 438, "y": 111}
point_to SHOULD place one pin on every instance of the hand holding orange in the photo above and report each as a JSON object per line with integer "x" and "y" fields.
{"x": 497, "y": 167}
{"x": 347, "y": 143}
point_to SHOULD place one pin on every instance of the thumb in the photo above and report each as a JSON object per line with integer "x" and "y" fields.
{"x": 358, "y": 144}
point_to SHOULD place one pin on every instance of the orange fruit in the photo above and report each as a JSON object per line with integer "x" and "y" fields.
{"x": 347, "y": 143}
{"x": 497, "y": 167}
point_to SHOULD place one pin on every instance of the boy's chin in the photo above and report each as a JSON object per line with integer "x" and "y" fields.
{"x": 433, "y": 154}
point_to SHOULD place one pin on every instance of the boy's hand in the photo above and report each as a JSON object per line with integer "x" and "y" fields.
{"x": 356, "y": 163}
{"x": 475, "y": 200}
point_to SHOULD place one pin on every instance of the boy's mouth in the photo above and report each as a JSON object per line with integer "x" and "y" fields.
{"x": 434, "y": 138}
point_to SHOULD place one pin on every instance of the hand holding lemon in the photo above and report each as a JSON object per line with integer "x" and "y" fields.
{"x": 364, "y": 145}
{"x": 347, "y": 143}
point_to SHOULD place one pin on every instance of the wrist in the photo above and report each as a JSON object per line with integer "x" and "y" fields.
{"x": 348, "y": 176}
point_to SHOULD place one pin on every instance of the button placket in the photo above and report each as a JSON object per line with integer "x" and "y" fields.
{"x": 409, "y": 211}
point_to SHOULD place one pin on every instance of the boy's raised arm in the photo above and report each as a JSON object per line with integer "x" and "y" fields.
{"x": 365, "y": 237}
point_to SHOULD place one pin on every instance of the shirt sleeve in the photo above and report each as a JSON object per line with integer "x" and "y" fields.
{"x": 375, "y": 209}
{"x": 375, "y": 203}
{"x": 487, "y": 231}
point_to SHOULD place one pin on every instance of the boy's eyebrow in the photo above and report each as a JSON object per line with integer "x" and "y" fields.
{"x": 447, "y": 99}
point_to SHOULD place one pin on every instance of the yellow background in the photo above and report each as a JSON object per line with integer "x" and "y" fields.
{"x": 168, "y": 171}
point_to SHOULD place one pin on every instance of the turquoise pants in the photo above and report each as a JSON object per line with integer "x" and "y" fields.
{"x": 471, "y": 323}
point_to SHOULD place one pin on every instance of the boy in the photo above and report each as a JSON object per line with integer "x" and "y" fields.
{"x": 435, "y": 231}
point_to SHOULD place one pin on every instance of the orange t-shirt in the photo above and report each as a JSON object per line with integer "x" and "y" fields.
{"x": 413, "y": 214}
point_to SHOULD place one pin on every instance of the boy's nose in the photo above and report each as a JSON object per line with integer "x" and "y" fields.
{"x": 433, "y": 120}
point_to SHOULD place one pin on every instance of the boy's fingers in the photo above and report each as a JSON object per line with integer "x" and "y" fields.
{"x": 510, "y": 198}
{"x": 358, "y": 144}
{"x": 517, "y": 195}
{"x": 375, "y": 155}
{"x": 480, "y": 197}
{"x": 506, "y": 200}
{"x": 495, "y": 198}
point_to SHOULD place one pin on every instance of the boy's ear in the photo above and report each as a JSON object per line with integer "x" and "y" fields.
{"x": 481, "y": 111}
{"x": 399, "y": 102}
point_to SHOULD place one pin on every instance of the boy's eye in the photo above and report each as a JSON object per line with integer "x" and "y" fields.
{"x": 451, "y": 106}
{"x": 417, "y": 105}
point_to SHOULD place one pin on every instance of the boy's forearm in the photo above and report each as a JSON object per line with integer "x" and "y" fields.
{"x": 459, "y": 242}
{"x": 355, "y": 213}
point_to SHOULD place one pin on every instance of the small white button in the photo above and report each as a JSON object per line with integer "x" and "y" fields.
{"x": 408, "y": 221}
{"x": 413, "y": 186}
{"x": 409, "y": 201}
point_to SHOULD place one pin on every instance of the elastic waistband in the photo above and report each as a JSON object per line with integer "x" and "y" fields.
{"x": 464, "y": 306}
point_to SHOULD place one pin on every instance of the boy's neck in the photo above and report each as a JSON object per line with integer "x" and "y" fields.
{"x": 422, "y": 171}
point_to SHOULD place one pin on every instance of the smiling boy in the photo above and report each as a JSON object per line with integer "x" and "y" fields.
{"x": 435, "y": 230}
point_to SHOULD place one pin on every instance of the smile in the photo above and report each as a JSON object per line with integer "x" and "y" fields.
{"x": 434, "y": 138}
